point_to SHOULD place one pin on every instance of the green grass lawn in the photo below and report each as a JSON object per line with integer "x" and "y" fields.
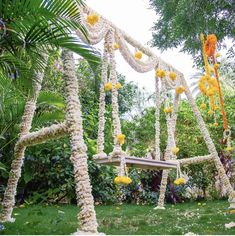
{"x": 205, "y": 218}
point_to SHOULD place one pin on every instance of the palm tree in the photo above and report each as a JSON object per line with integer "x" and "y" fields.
{"x": 29, "y": 28}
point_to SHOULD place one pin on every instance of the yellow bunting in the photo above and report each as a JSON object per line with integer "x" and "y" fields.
{"x": 108, "y": 86}
{"x": 92, "y": 19}
{"x": 121, "y": 138}
{"x": 175, "y": 150}
{"x": 168, "y": 109}
{"x": 138, "y": 55}
{"x": 180, "y": 89}
{"x": 118, "y": 86}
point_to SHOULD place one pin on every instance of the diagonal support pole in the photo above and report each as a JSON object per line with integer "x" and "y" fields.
{"x": 15, "y": 173}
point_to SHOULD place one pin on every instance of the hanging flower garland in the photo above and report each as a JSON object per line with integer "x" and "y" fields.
{"x": 210, "y": 86}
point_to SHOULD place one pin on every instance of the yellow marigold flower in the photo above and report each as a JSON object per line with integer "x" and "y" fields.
{"x": 210, "y": 112}
{"x": 217, "y": 54}
{"x": 117, "y": 180}
{"x": 212, "y": 70}
{"x": 122, "y": 180}
{"x": 175, "y": 150}
{"x": 118, "y": 86}
{"x": 92, "y": 19}
{"x": 160, "y": 73}
{"x": 121, "y": 138}
{"x": 138, "y": 55}
{"x": 216, "y": 108}
{"x": 172, "y": 75}
{"x": 180, "y": 89}
{"x": 180, "y": 181}
{"x": 210, "y": 92}
{"x": 108, "y": 86}
{"x": 229, "y": 149}
{"x": 203, "y": 105}
{"x": 217, "y": 65}
{"x": 116, "y": 46}
{"x": 168, "y": 109}
{"x": 210, "y": 45}
{"x": 216, "y": 124}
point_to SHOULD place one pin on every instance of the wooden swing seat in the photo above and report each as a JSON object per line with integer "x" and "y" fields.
{"x": 135, "y": 162}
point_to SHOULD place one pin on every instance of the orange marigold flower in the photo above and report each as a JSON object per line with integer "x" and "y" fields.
{"x": 210, "y": 45}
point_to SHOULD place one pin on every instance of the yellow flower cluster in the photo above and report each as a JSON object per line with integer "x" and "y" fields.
{"x": 180, "y": 89}
{"x": 168, "y": 109}
{"x": 118, "y": 86}
{"x": 122, "y": 180}
{"x": 208, "y": 85}
{"x": 116, "y": 46}
{"x": 229, "y": 149}
{"x": 216, "y": 124}
{"x": 108, "y": 86}
{"x": 175, "y": 150}
{"x": 203, "y": 105}
{"x": 180, "y": 181}
{"x": 160, "y": 73}
{"x": 172, "y": 75}
{"x": 121, "y": 138}
{"x": 138, "y": 55}
{"x": 92, "y": 19}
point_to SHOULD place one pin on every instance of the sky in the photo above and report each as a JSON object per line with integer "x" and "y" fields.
{"x": 136, "y": 19}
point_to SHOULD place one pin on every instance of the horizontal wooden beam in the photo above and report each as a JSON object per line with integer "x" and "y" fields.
{"x": 135, "y": 162}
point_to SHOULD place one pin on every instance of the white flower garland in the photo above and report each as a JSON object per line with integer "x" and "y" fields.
{"x": 15, "y": 173}
{"x": 100, "y": 137}
{"x": 87, "y": 215}
{"x": 157, "y": 121}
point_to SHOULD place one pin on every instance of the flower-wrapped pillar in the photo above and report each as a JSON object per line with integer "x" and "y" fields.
{"x": 210, "y": 146}
{"x": 100, "y": 136}
{"x": 15, "y": 173}
{"x": 171, "y": 123}
{"x": 87, "y": 216}
{"x": 157, "y": 122}
{"x": 115, "y": 109}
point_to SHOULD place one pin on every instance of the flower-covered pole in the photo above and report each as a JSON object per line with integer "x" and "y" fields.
{"x": 157, "y": 121}
{"x": 171, "y": 123}
{"x": 15, "y": 173}
{"x": 86, "y": 216}
{"x": 115, "y": 109}
{"x": 210, "y": 146}
{"x": 100, "y": 138}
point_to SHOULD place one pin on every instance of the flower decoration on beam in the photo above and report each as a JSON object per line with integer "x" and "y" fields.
{"x": 172, "y": 75}
{"x": 92, "y": 19}
{"x": 160, "y": 73}
{"x": 138, "y": 55}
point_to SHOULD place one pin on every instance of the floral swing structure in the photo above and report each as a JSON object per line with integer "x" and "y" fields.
{"x": 99, "y": 28}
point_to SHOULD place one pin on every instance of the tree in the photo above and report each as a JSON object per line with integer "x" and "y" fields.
{"x": 29, "y": 28}
{"x": 181, "y": 22}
